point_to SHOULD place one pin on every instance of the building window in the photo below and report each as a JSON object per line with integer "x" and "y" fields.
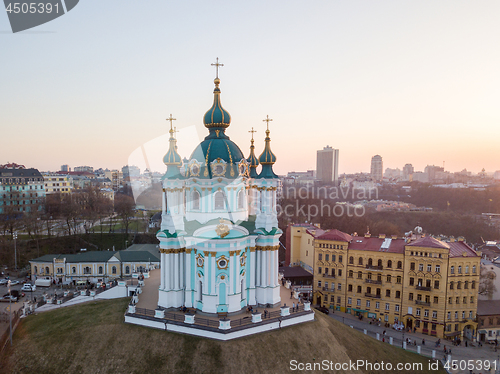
{"x": 350, "y": 274}
{"x": 451, "y": 285}
{"x": 457, "y": 300}
{"x": 327, "y": 257}
{"x": 360, "y": 275}
{"x": 47, "y": 270}
{"x": 113, "y": 270}
{"x": 436, "y": 300}
{"x": 35, "y": 268}
{"x": 241, "y": 199}
{"x": 219, "y": 200}
{"x": 359, "y": 289}
{"x": 412, "y": 281}
{"x": 349, "y": 301}
{"x": 339, "y": 299}
{"x": 127, "y": 269}
{"x": 388, "y": 278}
{"x": 349, "y": 288}
{"x": 459, "y": 285}
{"x": 426, "y": 313}
{"x": 340, "y": 272}
{"x": 450, "y": 300}
{"x": 370, "y": 262}
{"x": 434, "y": 314}
{"x": 368, "y": 290}
{"x": 387, "y": 293}
{"x": 400, "y": 265}
{"x": 398, "y": 294}
{"x": 73, "y": 270}
{"x": 418, "y": 311}
{"x": 398, "y": 279}
{"x": 473, "y": 285}
{"x": 386, "y": 318}
{"x": 360, "y": 261}
{"x": 358, "y": 302}
{"x": 340, "y": 258}
{"x": 452, "y": 270}
{"x": 459, "y": 270}
{"x": 319, "y": 270}
{"x": 412, "y": 266}
{"x": 333, "y": 258}
{"x": 369, "y": 276}
{"x": 196, "y": 200}
{"x": 472, "y": 302}
{"x": 396, "y": 308}
{"x": 320, "y": 257}
{"x": 436, "y": 285}
{"x": 100, "y": 270}
{"x": 429, "y": 268}
{"x": 463, "y": 315}
{"x": 319, "y": 284}
{"x": 410, "y": 296}
{"x": 420, "y": 267}
{"x": 86, "y": 270}
{"x": 389, "y": 264}
{"x": 367, "y": 303}
{"x": 474, "y": 269}
{"x": 467, "y": 269}
{"x": 379, "y": 263}
{"x": 351, "y": 260}
{"x": 339, "y": 287}
{"x": 387, "y": 306}
{"x": 466, "y": 285}
{"x": 377, "y": 305}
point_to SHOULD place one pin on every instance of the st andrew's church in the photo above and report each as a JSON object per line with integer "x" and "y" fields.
{"x": 219, "y": 235}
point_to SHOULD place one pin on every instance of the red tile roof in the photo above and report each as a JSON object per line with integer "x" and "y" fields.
{"x": 335, "y": 235}
{"x": 378, "y": 244}
{"x": 458, "y": 249}
{"x": 429, "y": 242}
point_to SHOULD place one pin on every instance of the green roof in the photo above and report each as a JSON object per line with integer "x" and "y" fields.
{"x": 101, "y": 256}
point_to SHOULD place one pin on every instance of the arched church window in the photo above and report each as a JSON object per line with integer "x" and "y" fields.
{"x": 113, "y": 270}
{"x": 127, "y": 269}
{"x": 219, "y": 200}
{"x": 100, "y": 270}
{"x": 195, "y": 200}
{"x": 241, "y": 199}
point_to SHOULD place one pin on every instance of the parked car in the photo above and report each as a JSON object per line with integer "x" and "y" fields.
{"x": 17, "y": 293}
{"x": 8, "y": 298}
{"x": 323, "y": 309}
{"x": 14, "y": 282}
{"x": 3, "y": 282}
{"x": 28, "y": 287}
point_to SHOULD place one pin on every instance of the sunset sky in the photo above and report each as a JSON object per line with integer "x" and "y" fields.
{"x": 416, "y": 82}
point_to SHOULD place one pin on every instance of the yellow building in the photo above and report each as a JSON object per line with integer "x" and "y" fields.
{"x": 57, "y": 183}
{"x": 424, "y": 283}
{"x": 300, "y": 245}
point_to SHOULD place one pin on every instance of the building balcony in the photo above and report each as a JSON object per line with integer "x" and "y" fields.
{"x": 422, "y": 288}
{"x": 372, "y": 295}
{"x": 423, "y": 303}
{"x": 373, "y": 281}
{"x": 328, "y": 276}
{"x": 328, "y": 289}
{"x": 374, "y": 267}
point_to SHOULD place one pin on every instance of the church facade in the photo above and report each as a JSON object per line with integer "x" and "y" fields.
{"x": 219, "y": 235}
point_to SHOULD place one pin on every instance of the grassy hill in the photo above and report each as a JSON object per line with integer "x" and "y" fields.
{"x": 92, "y": 338}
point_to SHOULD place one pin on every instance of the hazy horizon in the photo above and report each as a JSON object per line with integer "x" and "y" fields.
{"x": 413, "y": 82}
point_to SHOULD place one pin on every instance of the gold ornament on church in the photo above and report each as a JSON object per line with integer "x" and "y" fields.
{"x": 222, "y": 229}
{"x": 222, "y": 263}
{"x": 200, "y": 260}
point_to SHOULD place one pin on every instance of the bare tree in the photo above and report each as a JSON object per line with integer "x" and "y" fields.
{"x": 124, "y": 207}
{"x": 487, "y": 282}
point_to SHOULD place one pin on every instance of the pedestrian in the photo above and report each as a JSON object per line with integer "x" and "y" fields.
{"x": 423, "y": 341}
{"x": 293, "y": 307}
{"x": 445, "y": 349}
{"x": 291, "y": 294}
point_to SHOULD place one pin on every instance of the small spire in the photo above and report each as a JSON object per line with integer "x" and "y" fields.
{"x": 217, "y": 64}
{"x": 252, "y": 160}
{"x": 172, "y": 157}
{"x": 267, "y": 158}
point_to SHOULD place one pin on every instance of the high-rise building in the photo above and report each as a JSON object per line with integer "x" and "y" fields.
{"x": 89, "y": 169}
{"x": 376, "y": 168}
{"x": 22, "y": 189}
{"x": 65, "y": 168}
{"x": 408, "y": 171}
{"x": 327, "y": 165}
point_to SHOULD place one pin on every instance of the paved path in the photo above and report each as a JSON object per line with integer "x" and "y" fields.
{"x": 486, "y": 352}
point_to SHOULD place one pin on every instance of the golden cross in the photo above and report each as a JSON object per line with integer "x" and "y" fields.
{"x": 253, "y": 132}
{"x": 217, "y": 67}
{"x": 171, "y": 119}
{"x": 267, "y": 120}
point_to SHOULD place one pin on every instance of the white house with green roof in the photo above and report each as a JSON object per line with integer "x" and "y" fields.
{"x": 219, "y": 234}
{"x": 94, "y": 266}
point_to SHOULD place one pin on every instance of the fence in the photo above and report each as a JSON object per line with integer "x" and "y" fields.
{"x": 6, "y": 335}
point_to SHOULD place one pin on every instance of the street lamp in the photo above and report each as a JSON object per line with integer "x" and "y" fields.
{"x": 10, "y": 312}
{"x": 15, "y": 249}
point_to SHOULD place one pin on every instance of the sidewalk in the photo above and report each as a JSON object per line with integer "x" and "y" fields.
{"x": 486, "y": 352}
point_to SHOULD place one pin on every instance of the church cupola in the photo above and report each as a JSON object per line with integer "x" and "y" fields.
{"x": 172, "y": 159}
{"x": 253, "y": 162}
{"x": 217, "y": 116}
{"x": 267, "y": 158}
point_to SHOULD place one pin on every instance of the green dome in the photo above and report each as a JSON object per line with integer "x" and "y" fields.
{"x": 217, "y": 146}
{"x": 216, "y": 116}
